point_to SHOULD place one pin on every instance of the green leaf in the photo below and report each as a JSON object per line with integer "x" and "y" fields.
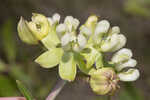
{"x": 51, "y": 40}
{"x": 67, "y": 67}
{"x": 24, "y": 91}
{"x": 91, "y": 57}
{"x": 51, "y": 58}
{"x": 9, "y": 44}
{"x": 81, "y": 64}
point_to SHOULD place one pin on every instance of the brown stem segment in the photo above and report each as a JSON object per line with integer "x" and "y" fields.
{"x": 56, "y": 90}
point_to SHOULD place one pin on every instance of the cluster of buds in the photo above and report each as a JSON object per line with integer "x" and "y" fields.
{"x": 85, "y": 48}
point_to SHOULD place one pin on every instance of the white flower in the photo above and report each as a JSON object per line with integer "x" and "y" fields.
{"x": 85, "y": 30}
{"x": 81, "y": 41}
{"x": 102, "y": 27}
{"x": 109, "y": 43}
{"x": 130, "y": 75}
{"x": 122, "y": 55}
{"x": 71, "y": 23}
{"x": 129, "y": 63}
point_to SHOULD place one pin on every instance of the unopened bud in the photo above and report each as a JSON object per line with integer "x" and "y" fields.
{"x": 39, "y": 26}
{"x": 104, "y": 81}
{"x": 25, "y": 33}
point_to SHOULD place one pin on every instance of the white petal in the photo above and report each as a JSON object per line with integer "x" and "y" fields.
{"x": 69, "y": 21}
{"x": 122, "y": 55}
{"x": 130, "y": 75}
{"x": 65, "y": 39}
{"x": 85, "y": 30}
{"x": 109, "y": 43}
{"x": 82, "y": 41}
{"x": 56, "y": 18}
{"x": 122, "y": 42}
{"x": 76, "y": 23}
{"x": 115, "y": 30}
{"x": 61, "y": 28}
{"x": 129, "y": 63}
{"x": 102, "y": 27}
{"x": 50, "y": 20}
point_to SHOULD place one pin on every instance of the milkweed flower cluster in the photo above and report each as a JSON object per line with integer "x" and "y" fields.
{"x": 85, "y": 48}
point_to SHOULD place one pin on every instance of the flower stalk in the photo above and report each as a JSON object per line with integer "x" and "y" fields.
{"x": 56, "y": 90}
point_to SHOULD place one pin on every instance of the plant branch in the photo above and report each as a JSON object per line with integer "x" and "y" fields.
{"x": 56, "y": 90}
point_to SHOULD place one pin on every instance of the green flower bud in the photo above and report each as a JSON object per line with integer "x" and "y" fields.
{"x": 37, "y": 29}
{"x": 25, "y": 33}
{"x": 39, "y": 26}
{"x": 104, "y": 81}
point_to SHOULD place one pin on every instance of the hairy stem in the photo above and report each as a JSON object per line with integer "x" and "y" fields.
{"x": 56, "y": 90}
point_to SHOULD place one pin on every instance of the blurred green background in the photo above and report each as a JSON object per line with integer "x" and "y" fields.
{"x": 16, "y": 58}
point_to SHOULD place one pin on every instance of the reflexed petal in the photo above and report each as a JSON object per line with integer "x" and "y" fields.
{"x": 56, "y": 18}
{"x": 130, "y": 75}
{"x": 65, "y": 39}
{"x": 110, "y": 43}
{"x": 61, "y": 28}
{"x": 69, "y": 21}
{"x": 85, "y": 30}
{"x": 76, "y": 23}
{"x": 122, "y": 55}
{"x": 81, "y": 41}
{"x": 129, "y": 63}
{"x": 50, "y": 20}
{"x": 122, "y": 41}
{"x": 102, "y": 27}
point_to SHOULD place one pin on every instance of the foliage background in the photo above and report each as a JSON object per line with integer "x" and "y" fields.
{"x": 16, "y": 58}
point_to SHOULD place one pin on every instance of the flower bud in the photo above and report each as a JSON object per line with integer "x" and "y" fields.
{"x": 91, "y": 22}
{"x": 39, "y": 26}
{"x": 25, "y": 33}
{"x": 130, "y": 75}
{"x": 102, "y": 27}
{"x": 104, "y": 81}
{"x": 122, "y": 56}
{"x": 129, "y": 63}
